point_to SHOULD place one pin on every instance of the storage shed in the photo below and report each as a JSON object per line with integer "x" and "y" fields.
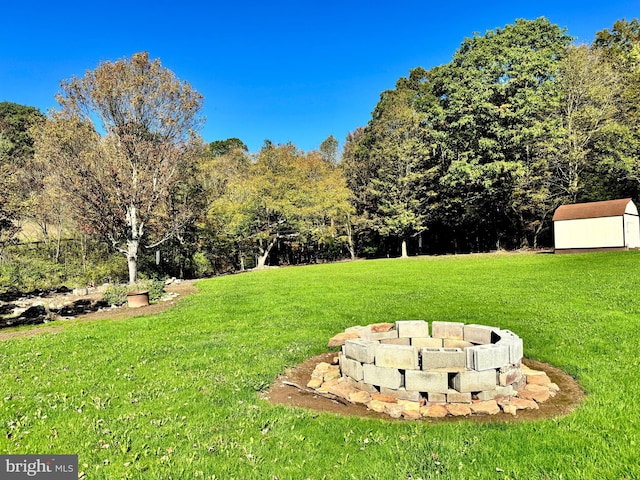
{"x": 596, "y": 226}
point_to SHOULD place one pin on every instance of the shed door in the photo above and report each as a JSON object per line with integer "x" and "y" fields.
{"x": 632, "y": 231}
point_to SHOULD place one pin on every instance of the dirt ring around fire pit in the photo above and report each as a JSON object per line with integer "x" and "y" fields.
{"x": 328, "y": 383}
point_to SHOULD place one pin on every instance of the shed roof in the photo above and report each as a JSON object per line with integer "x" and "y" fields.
{"x": 608, "y": 208}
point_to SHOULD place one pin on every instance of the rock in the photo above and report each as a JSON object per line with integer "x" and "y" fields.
{"x": 434, "y": 411}
{"x": 376, "y": 406}
{"x": 321, "y": 369}
{"x": 332, "y": 373}
{"x": 339, "y": 339}
{"x": 360, "y": 396}
{"x": 393, "y": 410}
{"x": 327, "y": 385}
{"x": 458, "y": 409}
{"x": 538, "y": 379}
{"x": 411, "y": 414}
{"x": 384, "y": 398}
{"x": 539, "y": 393}
{"x": 488, "y": 407}
{"x": 530, "y": 372}
{"x": 342, "y": 390}
{"x": 408, "y": 405}
{"x": 523, "y": 404}
{"x": 314, "y": 383}
{"x": 381, "y": 327}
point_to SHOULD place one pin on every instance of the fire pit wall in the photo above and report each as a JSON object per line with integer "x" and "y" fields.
{"x": 456, "y": 363}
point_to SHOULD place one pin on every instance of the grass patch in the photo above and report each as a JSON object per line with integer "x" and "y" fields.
{"x": 173, "y": 396}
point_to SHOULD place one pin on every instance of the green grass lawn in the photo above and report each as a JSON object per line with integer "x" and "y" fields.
{"x": 175, "y": 395}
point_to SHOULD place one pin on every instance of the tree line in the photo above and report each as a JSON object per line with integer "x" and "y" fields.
{"x": 473, "y": 155}
{"x": 477, "y": 154}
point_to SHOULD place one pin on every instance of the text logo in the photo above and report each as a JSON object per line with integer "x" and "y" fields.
{"x": 39, "y": 467}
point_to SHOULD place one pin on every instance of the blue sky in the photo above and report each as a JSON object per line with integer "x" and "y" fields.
{"x": 282, "y": 70}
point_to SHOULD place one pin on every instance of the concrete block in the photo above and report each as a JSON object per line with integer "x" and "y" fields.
{"x": 474, "y": 381}
{"x": 351, "y": 368}
{"x": 442, "y": 358}
{"x": 396, "y": 341}
{"x": 509, "y": 375}
{"x": 401, "y": 394}
{"x": 455, "y": 343}
{"x": 486, "y": 357}
{"x": 426, "y": 342}
{"x": 485, "y": 395}
{"x": 368, "y": 335}
{"x": 515, "y": 344}
{"x": 365, "y": 387}
{"x": 447, "y": 330}
{"x": 453, "y": 396}
{"x": 469, "y": 354}
{"x": 436, "y": 397}
{"x": 361, "y": 350}
{"x": 520, "y": 384}
{"x": 433, "y": 382}
{"x": 383, "y": 376}
{"x": 480, "y": 334}
{"x": 404, "y": 357}
{"x": 356, "y": 329}
{"x": 412, "y": 328}
{"x": 506, "y": 391}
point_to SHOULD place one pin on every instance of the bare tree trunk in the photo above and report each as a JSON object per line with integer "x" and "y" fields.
{"x": 350, "y": 245}
{"x": 132, "y": 260}
{"x": 241, "y": 257}
{"x": 133, "y": 243}
{"x": 59, "y": 239}
{"x": 262, "y": 258}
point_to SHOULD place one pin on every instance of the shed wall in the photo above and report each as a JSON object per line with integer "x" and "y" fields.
{"x": 604, "y": 232}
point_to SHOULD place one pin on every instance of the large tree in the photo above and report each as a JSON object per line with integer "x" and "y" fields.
{"x": 117, "y": 146}
{"x": 394, "y": 185}
{"x": 586, "y": 123}
{"x": 493, "y": 94}
{"x": 285, "y": 196}
{"x": 620, "y": 47}
{"x": 16, "y": 152}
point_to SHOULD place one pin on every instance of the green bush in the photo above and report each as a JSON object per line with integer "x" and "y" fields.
{"x": 202, "y": 265}
{"x": 96, "y": 271}
{"x": 28, "y": 274}
{"x": 155, "y": 288}
{"x": 116, "y": 294}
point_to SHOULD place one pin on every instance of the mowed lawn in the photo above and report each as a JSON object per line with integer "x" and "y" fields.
{"x": 175, "y": 396}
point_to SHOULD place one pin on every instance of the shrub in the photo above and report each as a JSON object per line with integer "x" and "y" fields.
{"x": 116, "y": 294}
{"x": 202, "y": 265}
{"x": 155, "y": 288}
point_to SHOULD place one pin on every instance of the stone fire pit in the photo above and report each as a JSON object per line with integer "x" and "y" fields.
{"x": 407, "y": 369}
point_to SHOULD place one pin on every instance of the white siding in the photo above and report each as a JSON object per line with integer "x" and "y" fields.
{"x": 604, "y": 232}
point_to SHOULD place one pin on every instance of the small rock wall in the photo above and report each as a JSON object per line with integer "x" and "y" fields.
{"x": 449, "y": 363}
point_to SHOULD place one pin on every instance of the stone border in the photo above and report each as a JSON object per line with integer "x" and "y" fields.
{"x": 458, "y": 370}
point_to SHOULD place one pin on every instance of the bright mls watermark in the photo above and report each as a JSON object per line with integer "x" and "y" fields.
{"x": 45, "y": 467}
